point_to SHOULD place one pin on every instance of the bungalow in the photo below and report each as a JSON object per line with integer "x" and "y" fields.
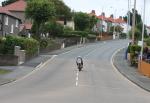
{"x": 9, "y": 23}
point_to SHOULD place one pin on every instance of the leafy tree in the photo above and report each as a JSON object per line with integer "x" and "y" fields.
{"x": 137, "y": 35}
{"x": 93, "y": 21}
{"x": 39, "y": 11}
{"x": 82, "y": 21}
{"x": 7, "y": 2}
{"x": 138, "y": 24}
{"x": 53, "y": 28}
{"x": 118, "y": 29}
{"x": 62, "y": 10}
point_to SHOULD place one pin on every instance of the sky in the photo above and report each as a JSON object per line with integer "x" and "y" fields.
{"x": 116, "y": 7}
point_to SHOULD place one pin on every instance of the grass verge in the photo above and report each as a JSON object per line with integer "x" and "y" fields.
{"x": 3, "y": 71}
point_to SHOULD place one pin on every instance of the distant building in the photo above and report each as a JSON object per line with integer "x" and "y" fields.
{"x": 105, "y": 23}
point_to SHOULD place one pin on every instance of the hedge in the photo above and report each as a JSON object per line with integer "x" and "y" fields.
{"x": 147, "y": 41}
{"x": 8, "y": 43}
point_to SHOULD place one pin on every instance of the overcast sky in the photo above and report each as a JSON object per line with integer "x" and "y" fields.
{"x": 116, "y": 7}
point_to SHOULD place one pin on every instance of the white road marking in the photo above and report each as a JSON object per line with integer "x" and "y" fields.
{"x": 77, "y": 78}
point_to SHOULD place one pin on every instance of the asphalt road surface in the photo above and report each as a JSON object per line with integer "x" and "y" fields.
{"x": 59, "y": 82}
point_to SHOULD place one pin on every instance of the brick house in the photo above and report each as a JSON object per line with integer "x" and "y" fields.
{"x": 9, "y": 23}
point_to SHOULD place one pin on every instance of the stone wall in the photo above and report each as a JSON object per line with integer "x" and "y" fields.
{"x": 6, "y": 60}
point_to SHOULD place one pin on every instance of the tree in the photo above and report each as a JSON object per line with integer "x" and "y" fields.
{"x": 62, "y": 10}
{"x": 7, "y": 2}
{"x": 92, "y": 22}
{"x": 138, "y": 23}
{"x": 53, "y": 28}
{"x": 39, "y": 11}
{"x": 118, "y": 29}
{"x": 81, "y": 21}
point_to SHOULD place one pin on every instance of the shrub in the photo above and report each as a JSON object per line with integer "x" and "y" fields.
{"x": 134, "y": 50}
{"x": 43, "y": 43}
{"x": 147, "y": 41}
{"x": 76, "y": 33}
{"x": 30, "y": 45}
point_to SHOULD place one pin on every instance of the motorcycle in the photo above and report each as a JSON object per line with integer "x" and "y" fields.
{"x": 80, "y": 66}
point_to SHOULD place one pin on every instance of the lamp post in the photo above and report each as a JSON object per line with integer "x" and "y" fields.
{"x": 143, "y": 30}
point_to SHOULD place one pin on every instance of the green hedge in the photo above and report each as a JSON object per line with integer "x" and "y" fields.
{"x": 75, "y": 33}
{"x": 44, "y": 43}
{"x": 134, "y": 50}
{"x": 147, "y": 41}
{"x": 9, "y": 42}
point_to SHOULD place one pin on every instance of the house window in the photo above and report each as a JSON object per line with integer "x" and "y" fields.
{"x": 12, "y": 29}
{"x": 0, "y": 25}
{"x": 6, "y": 20}
{"x": 17, "y": 23}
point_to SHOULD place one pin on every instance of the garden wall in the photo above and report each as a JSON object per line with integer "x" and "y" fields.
{"x": 8, "y": 60}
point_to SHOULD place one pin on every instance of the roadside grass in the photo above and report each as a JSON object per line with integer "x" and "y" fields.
{"x": 3, "y": 71}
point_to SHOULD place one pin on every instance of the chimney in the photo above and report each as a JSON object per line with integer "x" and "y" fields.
{"x": 111, "y": 16}
{"x": 120, "y": 17}
{"x": 103, "y": 14}
{"x": 93, "y": 12}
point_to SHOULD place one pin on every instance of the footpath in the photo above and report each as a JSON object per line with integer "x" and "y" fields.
{"x": 129, "y": 72}
{"x": 35, "y": 63}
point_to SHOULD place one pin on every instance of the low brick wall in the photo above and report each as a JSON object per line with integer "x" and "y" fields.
{"x": 144, "y": 68}
{"x": 8, "y": 60}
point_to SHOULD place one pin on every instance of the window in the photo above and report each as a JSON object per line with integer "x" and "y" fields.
{"x": 17, "y": 23}
{"x": 6, "y": 20}
{"x": 0, "y": 25}
{"x": 12, "y": 29}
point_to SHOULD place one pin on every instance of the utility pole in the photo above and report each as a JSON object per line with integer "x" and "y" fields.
{"x": 133, "y": 23}
{"x": 143, "y": 30}
{"x": 128, "y": 20}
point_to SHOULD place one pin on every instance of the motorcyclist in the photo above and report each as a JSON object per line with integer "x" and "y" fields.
{"x": 79, "y": 62}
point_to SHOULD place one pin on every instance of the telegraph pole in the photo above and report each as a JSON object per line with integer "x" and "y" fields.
{"x": 133, "y": 23}
{"x": 128, "y": 20}
{"x": 143, "y": 29}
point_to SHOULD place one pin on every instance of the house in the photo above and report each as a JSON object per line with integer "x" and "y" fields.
{"x": 18, "y": 8}
{"x": 148, "y": 30}
{"x": 9, "y": 23}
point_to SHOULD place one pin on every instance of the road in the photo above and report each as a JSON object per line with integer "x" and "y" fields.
{"x": 58, "y": 82}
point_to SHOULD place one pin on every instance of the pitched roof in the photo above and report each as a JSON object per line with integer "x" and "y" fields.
{"x": 102, "y": 17}
{"x": 119, "y": 20}
{"x": 27, "y": 26}
{"x": 4, "y": 11}
{"x": 19, "y": 5}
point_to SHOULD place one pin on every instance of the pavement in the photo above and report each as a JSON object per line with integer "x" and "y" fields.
{"x": 20, "y": 71}
{"x": 130, "y": 72}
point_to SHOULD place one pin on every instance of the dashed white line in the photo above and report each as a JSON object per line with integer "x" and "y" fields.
{"x": 77, "y": 78}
